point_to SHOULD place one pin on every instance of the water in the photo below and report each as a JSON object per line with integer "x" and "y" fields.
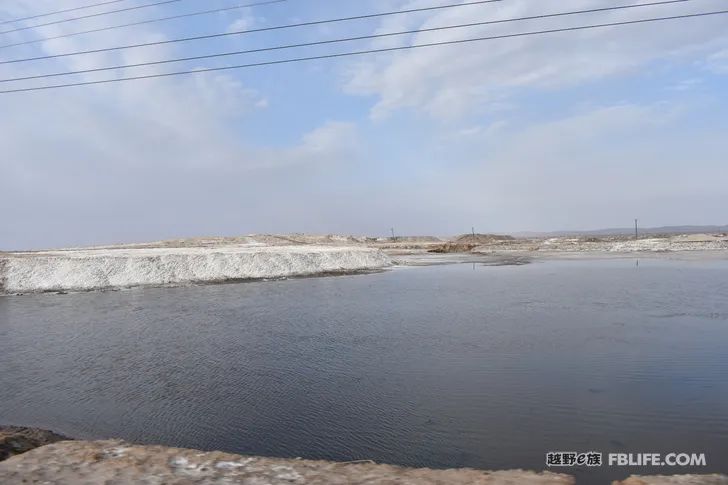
{"x": 440, "y": 366}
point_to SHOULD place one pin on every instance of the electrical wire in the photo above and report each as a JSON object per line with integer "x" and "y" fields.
{"x": 92, "y": 15}
{"x": 368, "y": 51}
{"x": 225, "y": 34}
{"x": 48, "y": 14}
{"x": 335, "y": 41}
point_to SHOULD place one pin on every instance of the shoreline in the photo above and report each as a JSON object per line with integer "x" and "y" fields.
{"x": 520, "y": 257}
{"x": 201, "y": 261}
{"x": 96, "y": 269}
{"x": 44, "y": 457}
{"x": 231, "y": 281}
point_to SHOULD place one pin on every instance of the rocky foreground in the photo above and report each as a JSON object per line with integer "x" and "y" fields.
{"x": 42, "y": 457}
{"x": 100, "y": 462}
{"x": 15, "y": 440}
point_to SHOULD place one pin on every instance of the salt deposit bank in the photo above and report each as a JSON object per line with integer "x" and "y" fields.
{"x": 105, "y": 268}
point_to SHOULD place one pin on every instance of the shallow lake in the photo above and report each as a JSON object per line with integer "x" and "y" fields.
{"x": 440, "y": 366}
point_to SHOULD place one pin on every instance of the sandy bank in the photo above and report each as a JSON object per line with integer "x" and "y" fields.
{"x": 712, "y": 479}
{"x": 124, "y": 267}
{"x": 99, "y": 462}
{"x": 114, "y": 461}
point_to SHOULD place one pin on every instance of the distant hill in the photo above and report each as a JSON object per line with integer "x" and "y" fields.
{"x": 618, "y": 231}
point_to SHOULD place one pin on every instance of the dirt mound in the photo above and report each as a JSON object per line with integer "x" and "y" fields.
{"x": 453, "y": 248}
{"x": 321, "y": 239}
{"x": 479, "y": 239}
{"x": 465, "y": 243}
{"x": 417, "y": 239}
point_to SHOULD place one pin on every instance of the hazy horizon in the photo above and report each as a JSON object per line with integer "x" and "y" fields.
{"x": 384, "y": 234}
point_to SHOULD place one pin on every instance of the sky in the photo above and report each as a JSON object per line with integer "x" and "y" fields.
{"x": 565, "y": 131}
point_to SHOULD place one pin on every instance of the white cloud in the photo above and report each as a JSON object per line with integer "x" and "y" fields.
{"x": 447, "y": 82}
{"x": 175, "y": 156}
{"x": 594, "y": 169}
{"x": 686, "y": 84}
{"x": 333, "y": 143}
{"x": 247, "y": 20}
{"x": 718, "y": 62}
{"x": 143, "y": 159}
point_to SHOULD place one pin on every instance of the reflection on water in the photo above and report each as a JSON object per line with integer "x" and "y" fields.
{"x": 454, "y": 365}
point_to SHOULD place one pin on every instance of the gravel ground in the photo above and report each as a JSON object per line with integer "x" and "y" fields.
{"x": 117, "y": 462}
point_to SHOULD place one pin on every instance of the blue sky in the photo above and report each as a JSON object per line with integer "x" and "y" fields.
{"x": 566, "y": 131}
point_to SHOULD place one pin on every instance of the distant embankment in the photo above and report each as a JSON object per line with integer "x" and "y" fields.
{"x": 94, "y": 269}
{"x": 628, "y": 231}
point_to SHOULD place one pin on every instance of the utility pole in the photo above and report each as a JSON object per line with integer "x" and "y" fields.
{"x": 473, "y": 229}
{"x": 393, "y": 238}
{"x": 635, "y": 229}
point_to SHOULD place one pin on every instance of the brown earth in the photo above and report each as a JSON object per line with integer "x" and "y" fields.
{"x": 118, "y": 462}
{"x": 15, "y": 440}
{"x": 675, "y": 480}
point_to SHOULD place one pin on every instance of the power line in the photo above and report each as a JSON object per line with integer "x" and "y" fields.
{"x": 335, "y": 41}
{"x": 368, "y": 51}
{"x": 131, "y": 24}
{"x": 48, "y": 14}
{"x": 225, "y": 34}
{"x": 99, "y": 14}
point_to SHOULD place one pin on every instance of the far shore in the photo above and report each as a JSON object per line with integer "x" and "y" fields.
{"x": 234, "y": 259}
